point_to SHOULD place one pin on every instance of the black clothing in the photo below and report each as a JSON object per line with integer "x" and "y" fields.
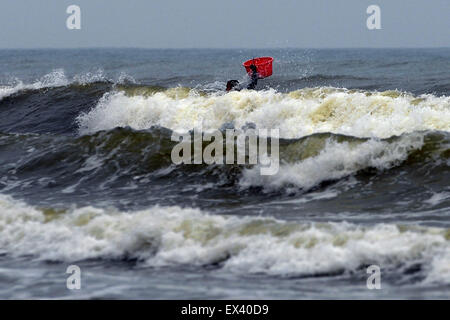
{"x": 253, "y": 80}
{"x": 235, "y": 85}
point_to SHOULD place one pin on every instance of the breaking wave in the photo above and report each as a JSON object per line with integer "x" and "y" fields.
{"x": 333, "y": 159}
{"x": 296, "y": 114}
{"x": 125, "y": 153}
{"x": 58, "y": 78}
{"x": 170, "y": 236}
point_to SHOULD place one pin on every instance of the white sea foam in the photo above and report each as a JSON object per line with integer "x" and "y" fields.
{"x": 296, "y": 114}
{"x": 58, "y": 78}
{"x": 438, "y": 198}
{"x": 167, "y": 236}
{"x": 335, "y": 161}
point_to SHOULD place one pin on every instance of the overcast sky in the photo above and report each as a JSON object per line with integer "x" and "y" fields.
{"x": 224, "y": 23}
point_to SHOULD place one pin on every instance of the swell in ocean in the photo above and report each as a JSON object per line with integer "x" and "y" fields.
{"x": 78, "y": 135}
{"x": 86, "y": 173}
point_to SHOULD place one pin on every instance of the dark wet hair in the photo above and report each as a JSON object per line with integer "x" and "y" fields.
{"x": 253, "y": 67}
{"x": 232, "y": 84}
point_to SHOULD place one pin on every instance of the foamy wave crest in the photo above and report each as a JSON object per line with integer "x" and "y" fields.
{"x": 166, "y": 236}
{"x": 58, "y": 78}
{"x": 335, "y": 160}
{"x": 295, "y": 114}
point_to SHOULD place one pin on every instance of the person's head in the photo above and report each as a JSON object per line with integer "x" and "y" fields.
{"x": 232, "y": 84}
{"x": 253, "y": 68}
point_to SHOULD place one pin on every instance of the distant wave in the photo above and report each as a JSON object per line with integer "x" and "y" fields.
{"x": 58, "y": 78}
{"x": 393, "y": 64}
{"x": 54, "y": 79}
{"x": 321, "y": 77}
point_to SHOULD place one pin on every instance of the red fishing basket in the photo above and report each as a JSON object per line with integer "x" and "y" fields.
{"x": 263, "y": 66}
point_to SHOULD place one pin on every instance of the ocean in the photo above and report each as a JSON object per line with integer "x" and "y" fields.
{"x": 87, "y": 178}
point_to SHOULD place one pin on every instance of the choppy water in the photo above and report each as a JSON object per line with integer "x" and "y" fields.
{"x": 86, "y": 175}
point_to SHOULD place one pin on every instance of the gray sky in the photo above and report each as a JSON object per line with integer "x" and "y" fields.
{"x": 224, "y": 23}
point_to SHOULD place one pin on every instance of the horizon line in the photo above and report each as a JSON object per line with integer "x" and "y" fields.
{"x": 214, "y": 48}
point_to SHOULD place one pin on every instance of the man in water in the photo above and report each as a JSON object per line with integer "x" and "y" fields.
{"x": 235, "y": 85}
